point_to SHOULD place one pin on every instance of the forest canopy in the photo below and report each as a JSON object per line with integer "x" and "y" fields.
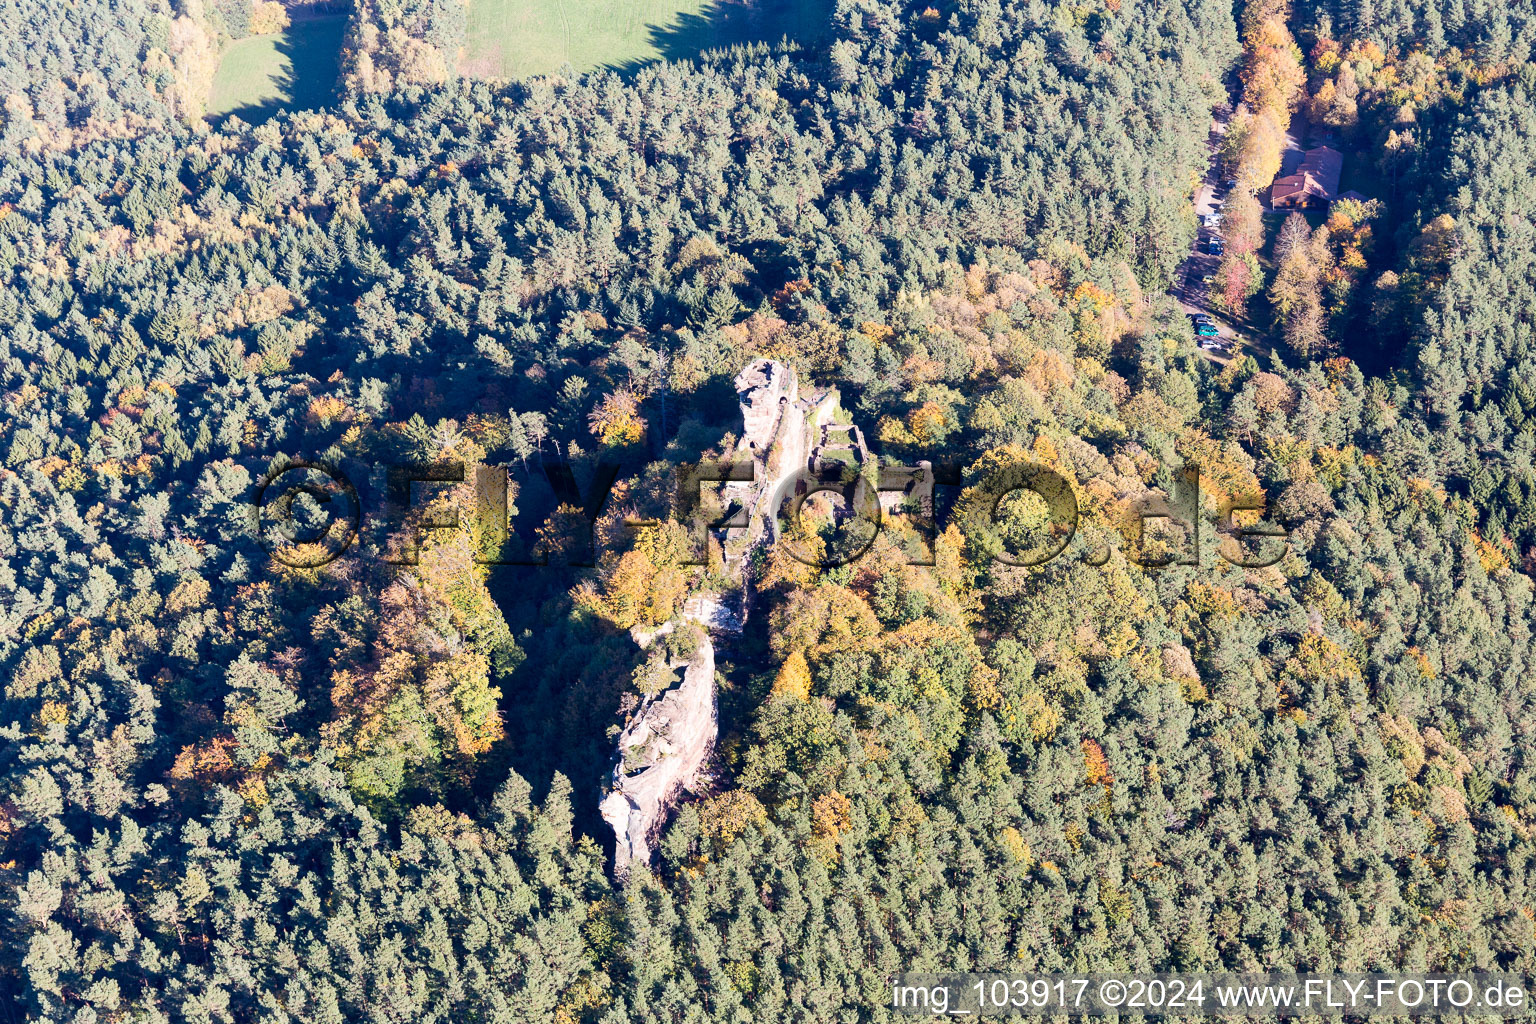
{"x": 237, "y": 789}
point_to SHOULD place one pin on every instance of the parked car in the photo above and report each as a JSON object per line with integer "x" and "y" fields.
{"x": 1207, "y": 330}
{"x": 1215, "y": 247}
{"x": 1213, "y": 220}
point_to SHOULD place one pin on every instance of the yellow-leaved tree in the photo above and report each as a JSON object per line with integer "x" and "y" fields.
{"x": 412, "y": 687}
{"x": 645, "y": 585}
{"x": 268, "y": 17}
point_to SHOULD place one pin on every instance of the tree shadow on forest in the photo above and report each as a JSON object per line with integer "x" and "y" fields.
{"x": 312, "y": 48}
{"x": 561, "y": 702}
{"x": 722, "y": 24}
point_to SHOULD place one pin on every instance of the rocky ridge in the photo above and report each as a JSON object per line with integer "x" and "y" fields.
{"x": 664, "y": 749}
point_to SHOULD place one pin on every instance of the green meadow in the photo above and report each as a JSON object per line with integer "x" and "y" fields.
{"x": 521, "y": 38}
{"x": 292, "y": 69}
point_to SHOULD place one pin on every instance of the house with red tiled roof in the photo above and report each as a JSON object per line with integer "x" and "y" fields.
{"x": 1315, "y": 182}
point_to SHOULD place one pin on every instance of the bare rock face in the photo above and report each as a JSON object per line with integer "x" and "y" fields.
{"x": 780, "y": 429}
{"x": 765, "y": 389}
{"x": 665, "y": 746}
{"x": 661, "y": 755}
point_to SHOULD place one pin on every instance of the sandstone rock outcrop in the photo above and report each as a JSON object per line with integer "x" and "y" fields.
{"x": 661, "y": 755}
{"x": 664, "y": 749}
{"x": 764, "y": 389}
{"x": 780, "y": 428}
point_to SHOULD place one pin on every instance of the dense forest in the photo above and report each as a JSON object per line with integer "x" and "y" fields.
{"x": 238, "y": 789}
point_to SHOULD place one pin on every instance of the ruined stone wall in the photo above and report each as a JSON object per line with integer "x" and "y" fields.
{"x": 764, "y": 389}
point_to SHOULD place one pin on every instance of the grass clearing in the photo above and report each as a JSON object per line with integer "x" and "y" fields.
{"x": 522, "y": 38}
{"x": 292, "y": 69}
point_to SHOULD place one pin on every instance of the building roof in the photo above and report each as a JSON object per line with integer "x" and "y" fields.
{"x": 1318, "y": 176}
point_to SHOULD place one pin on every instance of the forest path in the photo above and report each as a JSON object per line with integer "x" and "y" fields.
{"x": 1190, "y": 288}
